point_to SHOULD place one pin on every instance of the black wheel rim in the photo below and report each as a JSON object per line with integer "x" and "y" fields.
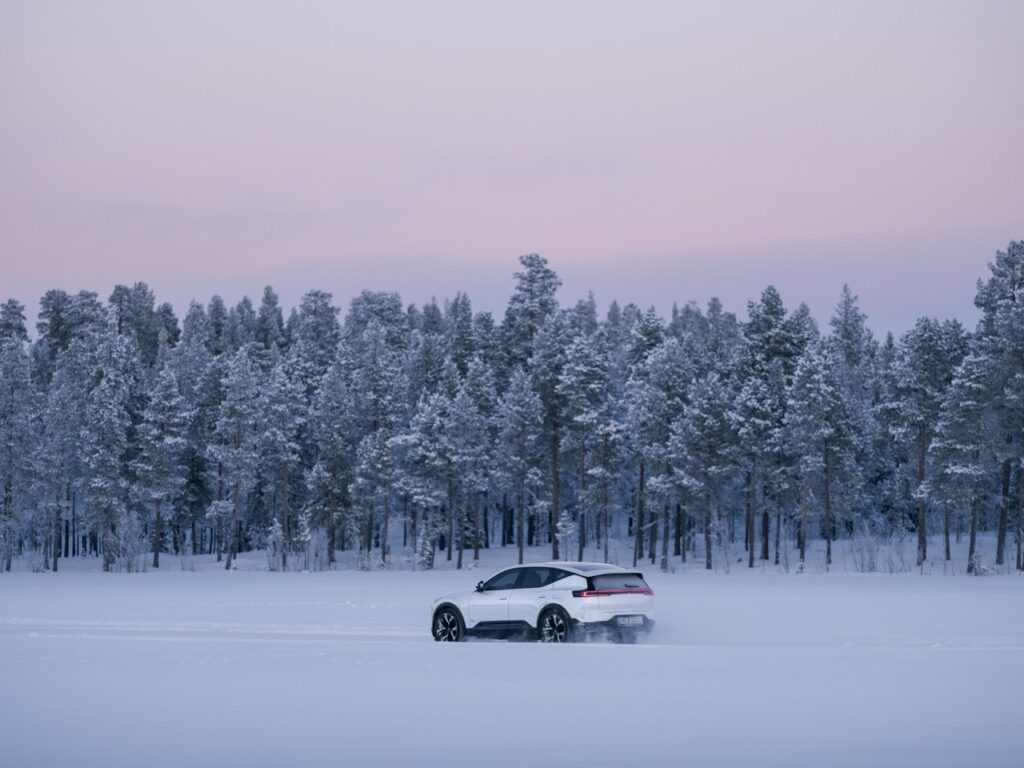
{"x": 446, "y": 628}
{"x": 554, "y": 629}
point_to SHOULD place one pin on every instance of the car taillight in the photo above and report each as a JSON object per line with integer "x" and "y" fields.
{"x": 609, "y": 592}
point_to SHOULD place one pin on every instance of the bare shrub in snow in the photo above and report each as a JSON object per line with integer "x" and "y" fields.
{"x": 864, "y": 548}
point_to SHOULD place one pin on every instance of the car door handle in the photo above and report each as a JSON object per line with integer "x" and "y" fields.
{"x": 503, "y": 598}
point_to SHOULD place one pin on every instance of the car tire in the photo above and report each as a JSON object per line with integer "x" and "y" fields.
{"x": 447, "y": 626}
{"x": 553, "y": 626}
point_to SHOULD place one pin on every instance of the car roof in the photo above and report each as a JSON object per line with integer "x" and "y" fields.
{"x": 583, "y": 569}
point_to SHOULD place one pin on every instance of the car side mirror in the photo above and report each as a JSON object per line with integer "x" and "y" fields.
{"x": 479, "y": 586}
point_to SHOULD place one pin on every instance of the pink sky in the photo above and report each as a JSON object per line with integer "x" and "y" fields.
{"x": 652, "y": 151}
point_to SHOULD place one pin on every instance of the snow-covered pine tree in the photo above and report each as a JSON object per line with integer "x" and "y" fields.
{"x": 160, "y": 467}
{"x": 234, "y": 447}
{"x": 818, "y": 429}
{"x": 927, "y": 356}
{"x": 703, "y": 450}
{"x": 532, "y": 302}
{"x": 546, "y": 365}
{"x": 583, "y": 386}
{"x": 655, "y": 397}
{"x": 282, "y": 417}
{"x": 520, "y": 415}
{"x": 17, "y": 433}
{"x": 105, "y": 450}
{"x": 962, "y": 445}
{"x": 1001, "y": 340}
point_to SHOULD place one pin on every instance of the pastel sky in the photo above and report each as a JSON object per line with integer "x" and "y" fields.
{"x": 653, "y": 151}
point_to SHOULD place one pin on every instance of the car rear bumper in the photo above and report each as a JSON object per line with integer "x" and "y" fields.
{"x": 612, "y": 625}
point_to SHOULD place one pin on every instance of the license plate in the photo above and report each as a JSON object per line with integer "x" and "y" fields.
{"x": 630, "y": 621}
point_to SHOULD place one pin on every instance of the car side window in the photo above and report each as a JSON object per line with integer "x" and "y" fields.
{"x": 504, "y": 580}
{"x": 540, "y": 577}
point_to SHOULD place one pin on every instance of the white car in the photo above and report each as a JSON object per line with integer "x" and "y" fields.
{"x": 552, "y": 602}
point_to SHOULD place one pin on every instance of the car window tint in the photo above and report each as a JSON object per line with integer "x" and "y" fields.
{"x": 504, "y": 580}
{"x": 540, "y": 577}
{"x": 619, "y": 581}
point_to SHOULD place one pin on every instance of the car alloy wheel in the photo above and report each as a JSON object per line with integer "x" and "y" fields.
{"x": 447, "y": 627}
{"x": 554, "y": 628}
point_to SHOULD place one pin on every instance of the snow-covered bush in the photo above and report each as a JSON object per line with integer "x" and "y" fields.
{"x": 864, "y": 548}
{"x": 275, "y": 548}
{"x": 131, "y": 543}
{"x": 895, "y": 551}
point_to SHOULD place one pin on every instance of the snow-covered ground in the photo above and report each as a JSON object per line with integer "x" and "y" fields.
{"x": 249, "y": 668}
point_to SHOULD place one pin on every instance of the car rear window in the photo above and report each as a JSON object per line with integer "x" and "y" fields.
{"x": 619, "y": 581}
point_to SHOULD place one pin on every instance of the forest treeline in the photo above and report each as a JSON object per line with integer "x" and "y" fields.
{"x": 126, "y": 434}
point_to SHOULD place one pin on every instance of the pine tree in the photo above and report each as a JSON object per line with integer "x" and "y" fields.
{"x": 702, "y": 451}
{"x": 105, "y": 451}
{"x": 333, "y": 431}
{"x": 583, "y": 385}
{"x": 532, "y": 303}
{"x": 546, "y": 365}
{"x": 17, "y": 408}
{"x": 282, "y": 417}
{"x": 234, "y": 447}
{"x": 962, "y": 443}
{"x": 927, "y": 355}
{"x": 818, "y": 427}
{"x": 12, "y": 321}
{"x": 520, "y": 415}
{"x": 1001, "y": 340}
{"x": 655, "y": 396}
{"x": 160, "y": 467}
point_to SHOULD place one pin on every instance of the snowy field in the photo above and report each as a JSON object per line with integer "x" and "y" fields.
{"x": 249, "y": 668}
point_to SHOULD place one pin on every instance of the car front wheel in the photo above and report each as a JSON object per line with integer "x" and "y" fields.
{"x": 448, "y": 626}
{"x": 554, "y": 627}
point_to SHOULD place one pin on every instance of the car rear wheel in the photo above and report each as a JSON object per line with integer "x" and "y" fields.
{"x": 554, "y": 627}
{"x": 448, "y": 627}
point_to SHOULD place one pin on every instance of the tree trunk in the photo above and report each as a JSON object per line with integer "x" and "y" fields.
{"x": 56, "y": 533}
{"x": 476, "y": 525}
{"x": 677, "y": 531}
{"x": 707, "y": 536}
{"x": 922, "y": 532}
{"x": 157, "y": 533}
{"x": 827, "y": 493}
{"x": 236, "y": 494}
{"x": 652, "y": 542}
{"x": 1004, "y": 514}
{"x": 1020, "y": 516}
{"x": 451, "y": 515}
{"x": 778, "y": 526}
{"x": 684, "y": 527}
{"x": 638, "y": 547}
{"x": 67, "y": 522}
{"x": 766, "y": 524}
{"x": 554, "y": 488}
{"x": 384, "y": 528}
{"x": 216, "y": 518}
{"x": 804, "y": 503}
{"x": 487, "y": 521}
{"x": 945, "y": 528}
{"x": 8, "y": 523}
{"x": 521, "y": 510}
{"x": 460, "y": 531}
{"x": 285, "y": 522}
{"x": 751, "y": 514}
{"x": 581, "y": 522}
{"x": 605, "y": 516}
{"x": 664, "y": 538}
{"x": 972, "y": 536}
